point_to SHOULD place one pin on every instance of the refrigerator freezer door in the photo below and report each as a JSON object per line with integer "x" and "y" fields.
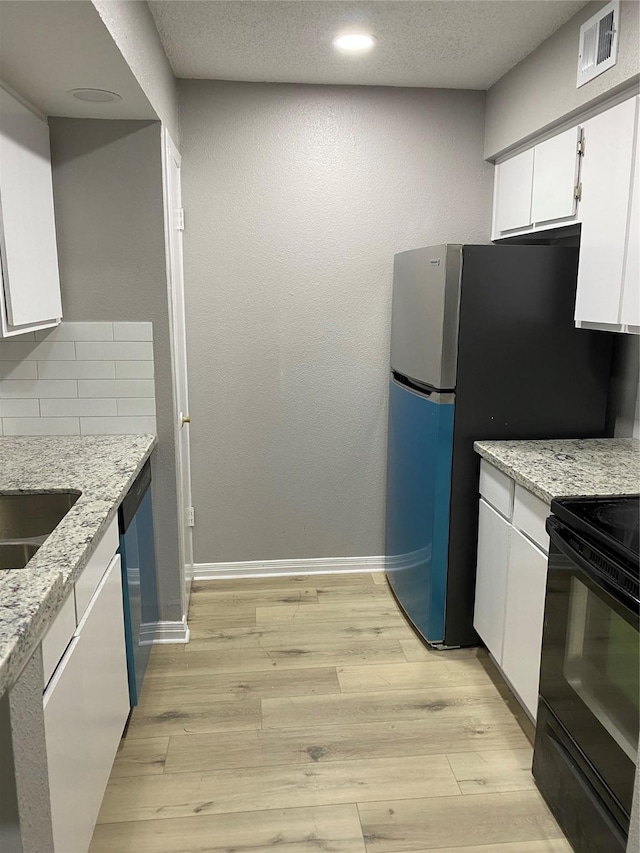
{"x": 424, "y": 320}
{"x": 418, "y": 489}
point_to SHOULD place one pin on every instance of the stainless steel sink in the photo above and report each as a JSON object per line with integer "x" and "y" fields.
{"x": 31, "y": 515}
{"x": 16, "y": 555}
{"x": 26, "y": 521}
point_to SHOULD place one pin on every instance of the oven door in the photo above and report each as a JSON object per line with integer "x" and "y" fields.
{"x": 590, "y": 665}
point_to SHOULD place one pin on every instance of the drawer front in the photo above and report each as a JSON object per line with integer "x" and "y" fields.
{"x": 57, "y": 638}
{"x": 98, "y": 564}
{"x": 530, "y": 515}
{"x": 496, "y": 488}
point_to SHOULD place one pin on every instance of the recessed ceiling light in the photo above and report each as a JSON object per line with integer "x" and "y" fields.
{"x": 354, "y": 42}
{"x": 95, "y": 96}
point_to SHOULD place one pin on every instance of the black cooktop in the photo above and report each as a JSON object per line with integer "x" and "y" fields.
{"x": 613, "y": 521}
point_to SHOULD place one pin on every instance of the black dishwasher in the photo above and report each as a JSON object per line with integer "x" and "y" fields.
{"x": 139, "y": 588}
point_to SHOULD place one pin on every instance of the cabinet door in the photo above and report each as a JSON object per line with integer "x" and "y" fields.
{"x": 630, "y": 311}
{"x": 491, "y": 578}
{"x": 514, "y": 185}
{"x": 524, "y": 614}
{"x": 105, "y": 687}
{"x": 29, "y": 254}
{"x": 555, "y": 176}
{"x": 66, "y": 738}
{"x": 604, "y": 209}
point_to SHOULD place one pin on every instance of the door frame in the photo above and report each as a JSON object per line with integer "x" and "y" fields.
{"x": 178, "y": 366}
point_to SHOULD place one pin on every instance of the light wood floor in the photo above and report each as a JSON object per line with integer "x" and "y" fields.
{"x": 305, "y": 716}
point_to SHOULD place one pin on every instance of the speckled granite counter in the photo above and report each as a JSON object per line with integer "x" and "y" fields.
{"x": 102, "y": 468}
{"x": 564, "y": 467}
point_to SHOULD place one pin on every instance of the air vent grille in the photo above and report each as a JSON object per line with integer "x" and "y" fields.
{"x": 598, "y": 43}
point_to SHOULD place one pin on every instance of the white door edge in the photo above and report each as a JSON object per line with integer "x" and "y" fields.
{"x": 178, "y": 372}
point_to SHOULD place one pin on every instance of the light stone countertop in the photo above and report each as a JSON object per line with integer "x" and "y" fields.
{"x": 102, "y": 468}
{"x": 567, "y": 467}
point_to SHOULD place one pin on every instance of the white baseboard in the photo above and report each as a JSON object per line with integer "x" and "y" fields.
{"x": 164, "y": 632}
{"x": 284, "y": 568}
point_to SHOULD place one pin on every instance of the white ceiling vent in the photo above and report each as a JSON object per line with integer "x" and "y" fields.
{"x": 598, "y": 43}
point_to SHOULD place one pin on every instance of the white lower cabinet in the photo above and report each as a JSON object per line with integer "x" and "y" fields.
{"x": 511, "y": 580}
{"x": 523, "y": 618}
{"x": 491, "y": 578}
{"x": 105, "y": 686}
{"x": 66, "y": 737}
{"x": 86, "y": 705}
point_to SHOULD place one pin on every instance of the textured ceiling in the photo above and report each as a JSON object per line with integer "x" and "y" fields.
{"x": 462, "y": 44}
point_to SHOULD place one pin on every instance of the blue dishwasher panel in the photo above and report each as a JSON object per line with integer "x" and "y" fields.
{"x": 138, "y": 590}
{"x": 417, "y": 515}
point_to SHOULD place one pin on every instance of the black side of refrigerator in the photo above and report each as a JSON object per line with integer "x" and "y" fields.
{"x": 524, "y": 372}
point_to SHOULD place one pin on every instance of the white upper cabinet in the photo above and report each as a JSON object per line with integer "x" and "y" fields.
{"x": 537, "y": 188}
{"x": 588, "y": 175}
{"x": 630, "y": 308}
{"x": 513, "y": 188}
{"x": 555, "y": 177}
{"x": 30, "y": 293}
{"x": 608, "y": 267}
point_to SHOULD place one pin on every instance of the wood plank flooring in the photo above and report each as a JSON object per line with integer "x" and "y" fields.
{"x": 305, "y": 715}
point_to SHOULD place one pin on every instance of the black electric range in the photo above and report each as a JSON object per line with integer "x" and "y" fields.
{"x": 587, "y": 729}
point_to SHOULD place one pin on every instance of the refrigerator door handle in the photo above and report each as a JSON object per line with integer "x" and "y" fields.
{"x": 435, "y": 395}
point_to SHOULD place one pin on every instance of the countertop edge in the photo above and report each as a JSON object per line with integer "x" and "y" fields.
{"x": 624, "y": 447}
{"x": 22, "y": 646}
{"x": 516, "y": 475}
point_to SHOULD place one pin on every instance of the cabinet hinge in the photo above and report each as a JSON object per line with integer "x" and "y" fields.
{"x": 191, "y": 517}
{"x": 180, "y": 219}
{"x": 577, "y": 192}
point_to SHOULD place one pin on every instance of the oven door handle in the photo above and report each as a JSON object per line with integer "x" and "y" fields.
{"x": 555, "y": 531}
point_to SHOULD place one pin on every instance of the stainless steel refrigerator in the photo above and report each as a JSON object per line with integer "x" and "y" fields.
{"x": 483, "y": 346}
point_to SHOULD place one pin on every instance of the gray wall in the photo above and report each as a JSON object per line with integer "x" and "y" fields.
{"x": 296, "y": 199}
{"x": 107, "y": 183}
{"x": 541, "y": 90}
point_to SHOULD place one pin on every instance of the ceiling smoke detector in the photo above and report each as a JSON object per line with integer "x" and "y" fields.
{"x": 95, "y": 96}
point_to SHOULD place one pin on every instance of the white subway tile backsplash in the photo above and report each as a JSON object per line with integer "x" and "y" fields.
{"x": 71, "y": 331}
{"x": 134, "y": 406}
{"x": 78, "y": 377}
{"x": 115, "y": 388}
{"x": 41, "y": 426}
{"x": 19, "y": 369}
{"x": 133, "y": 369}
{"x": 78, "y": 408}
{"x": 77, "y": 369}
{"x": 133, "y": 331}
{"x": 117, "y": 426}
{"x": 114, "y": 351}
{"x": 10, "y": 388}
{"x": 19, "y": 408}
{"x": 34, "y": 350}
{"x": 25, "y": 336}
